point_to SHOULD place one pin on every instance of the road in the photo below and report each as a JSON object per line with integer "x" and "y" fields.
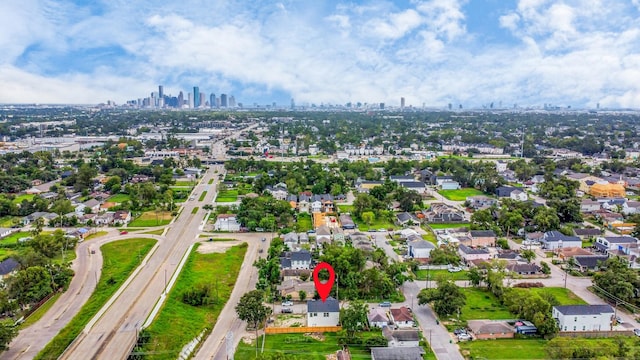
{"x": 116, "y": 331}
{"x": 213, "y": 346}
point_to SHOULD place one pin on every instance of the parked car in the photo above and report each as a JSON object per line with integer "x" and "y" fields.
{"x": 464, "y": 337}
{"x": 286, "y": 310}
{"x": 382, "y": 230}
{"x": 264, "y": 239}
{"x": 636, "y": 332}
{"x": 385, "y": 304}
{"x": 124, "y": 232}
{"x": 287, "y": 303}
{"x": 459, "y": 331}
{"x": 619, "y": 320}
{"x": 454, "y": 269}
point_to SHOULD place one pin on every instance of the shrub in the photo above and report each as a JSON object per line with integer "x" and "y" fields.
{"x": 198, "y": 295}
{"x": 529, "y": 285}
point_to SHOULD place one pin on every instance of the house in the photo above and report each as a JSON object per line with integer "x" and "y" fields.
{"x": 589, "y": 262}
{"x": 440, "y": 212}
{"x": 296, "y": 260}
{"x": 303, "y": 203}
{"x": 226, "y": 222}
{"x": 93, "y": 205}
{"x": 482, "y": 237}
{"x": 46, "y": 216}
{"x": 279, "y": 193}
{"x": 303, "y": 237}
{"x": 607, "y": 190}
{"x": 323, "y": 235}
{"x": 553, "y": 240}
{"x": 347, "y": 222}
{"x": 501, "y": 166}
{"x": 103, "y": 219}
{"x": 505, "y": 191}
{"x": 400, "y": 179}
{"x": 316, "y": 206}
{"x": 366, "y": 186}
{"x": 405, "y": 218}
{"x": 397, "y": 353}
{"x": 583, "y": 317}
{"x": 518, "y": 195}
{"x": 587, "y": 233}
{"x": 523, "y": 269}
{"x": 417, "y": 186}
{"x": 323, "y": 313}
{"x": 631, "y": 207}
{"x": 607, "y": 217}
{"x": 620, "y": 243}
{"x": 490, "y": 329}
{"x": 292, "y": 287}
{"x": 588, "y": 205}
{"x": 438, "y": 180}
{"x": 402, "y": 317}
{"x": 469, "y": 254}
{"x": 121, "y": 217}
{"x": 8, "y": 267}
{"x": 565, "y": 253}
{"x": 378, "y": 317}
{"x": 290, "y": 239}
{"x": 615, "y": 205}
{"x": 479, "y": 202}
{"x": 450, "y": 185}
{"x": 401, "y": 338}
{"x": 420, "y": 249}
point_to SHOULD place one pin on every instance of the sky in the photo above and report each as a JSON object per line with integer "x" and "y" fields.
{"x": 577, "y": 53}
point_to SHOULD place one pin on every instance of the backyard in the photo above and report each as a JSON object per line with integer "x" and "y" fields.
{"x": 304, "y": 222}
{"x": 504, "y": 349}
{"x": 227, "y": 196}
{"x": 460, "y": 194}
{"x": 119, "y": 198}
{"x": 151, "y": 218}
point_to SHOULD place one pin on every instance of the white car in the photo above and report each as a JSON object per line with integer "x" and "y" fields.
{"x": 636, "y": 332}
{"x": 287, "y": 303}
{"x": 464, "y": 337}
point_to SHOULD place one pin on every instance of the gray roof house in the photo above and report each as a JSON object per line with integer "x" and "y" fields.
{"x": 552, "y": 240}
{"x": 323, "y": 313}
{"x": 397, "y": 353}
{"x": 8, "y": 266}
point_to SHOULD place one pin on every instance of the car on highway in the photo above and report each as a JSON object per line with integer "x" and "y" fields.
{"x": 287, "y": 303}
{"x": 124, "y": 232}
{"x": 264, "y": 239}
{"x": 385, "y": 304}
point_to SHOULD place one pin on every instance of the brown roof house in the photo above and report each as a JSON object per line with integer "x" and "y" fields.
{"x": 491, "y": 329}
{"x": 402, "y": 317}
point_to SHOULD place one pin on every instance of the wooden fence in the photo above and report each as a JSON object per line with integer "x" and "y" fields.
{"x": 302, "y": 329}
{"x": 595, "y": 334}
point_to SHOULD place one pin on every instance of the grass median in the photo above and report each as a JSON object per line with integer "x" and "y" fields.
{"x": 202, "y": 196}
{"x": 178, "y": 322}
{"x": 118, "y": 264}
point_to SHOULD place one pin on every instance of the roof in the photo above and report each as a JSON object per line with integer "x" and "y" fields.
{"x": 377, "y": 315}
{"x": 467, "y": 250}
{"x": 482, "y": 233}
{"x": 590, "y": 261}
{"x": 489, "y": 327}
{"x": 587, "y": 232}
{"x": 401, "y": 314}
{"x": 621, "y": 239}
{"x": 523, "y": 268}
{"x": 397, "y": 353}
{"x": 552, "y": 236}
{"x": 330, "y": 305}
{"x": 302, "y": 255}
{"x": 584, "y": 309}
{"x": 8, "y": 266}
{"x": 421, "y": 244}
{"x": 400, "y": 335}
{"x": 412, "y": 184}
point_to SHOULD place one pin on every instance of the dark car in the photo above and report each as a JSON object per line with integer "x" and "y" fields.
{"x": 286, "y": 310}
{"x": 459, "y": 331}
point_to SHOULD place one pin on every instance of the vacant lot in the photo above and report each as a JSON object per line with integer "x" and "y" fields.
{"x": 18, "y": 199}
{"x": 119, "y": 198}
{"x": 13, "y": 238}
{"x": 304, "y": 223}
{"x": 435, "y": 274}
{"x": 178, "y": 323}
{"x": 151, "y": 218}
{"x": 564, "y": 296}
{"x": 227, "y": 196}
{"x": 460, "y": 194}
{"x": 504, "y": 349}
{"x": 481, "y": 304}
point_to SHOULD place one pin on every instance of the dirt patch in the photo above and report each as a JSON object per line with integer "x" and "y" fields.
{"x": 332, "y": 357}
{"x": 207, "y": 247}
{"x": 248, "y": 339}
{"x": 315, "y": 336}
{"x": 290, "y": 320}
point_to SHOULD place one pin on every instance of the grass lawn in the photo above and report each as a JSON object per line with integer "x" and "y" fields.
{"x": 434, "y": 274}
{"x": 430, "y": 237}
{"x": 155, "y": 232}
{"x": 118, "y": 265}
{"x": 118, "y": 198}
{"x": 204, "y": 193}
{"x": 504, "y": 349}
{"x": 151, "y": 218}
{"x": 6, "y": 253}
{"x": 7, "y": 221}
{"x": 184, "y": 183}
{"x": 301, "y": 347}
{"x": 36, "y": 315}
{"x": 460, "y": 194}
{"x": 564, "y": 296}
{"x": 13, "y": 238}
{"x": 18, "y": 199}
{"x": 195, "y": 210}
{"x": 304, "y": 222}
{"x": 437, "y": 226}
{"x": 178, "y": 323}
{"x": 375, "y": 224}
{"x": 227, "y": 196}
{"x": 96, "y": 235}
{"x": 481, "y": 304}
{"x": 345, "y": 208}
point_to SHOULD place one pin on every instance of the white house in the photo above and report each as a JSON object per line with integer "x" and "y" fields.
{"x": 553, "y": 240}
{"x": 583, "y": 317}
{"x": 518, "y": 195}
{"x": 227, "y": 222}
{"x": 420, "y": 249}
{"x": 417, "y": 186}
{"x": 316, "y": 206}
{"x": 631, "y": 207}
{"x": 378, "y": 317}
{"x": 501, "y": 166}
{"x": 402, "y": 317}
{"x": 450, "y": 185}
{"x": 621, "y": 243}
{"x": 323, "y": 313}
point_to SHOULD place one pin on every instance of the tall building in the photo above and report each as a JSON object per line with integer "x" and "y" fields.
{"x": 161, "y": 91}
{"x": 293, "y": 104}
{"x": 223, "y": 100}
{"x": 203, "y": 99}
{"x": 212, "y": 100}
{"x": 191, "y": 103}
{"x": 401, "y": 103}
{"x": 196, "y": 97}
{"x": 232, "y": 101}
{"x": 180, "y": 100}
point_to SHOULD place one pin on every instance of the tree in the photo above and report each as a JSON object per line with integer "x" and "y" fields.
{"x": 368, "y": 217}
{"x": 30, "y": 285}
{"x": 476, "y": 277}
{"x": 545, "y": 268}
{"x": 447, "y": 298}
{"x": 528, "y": 255}
{"x": 38, "y": 224}
{"x": 302, "y": 295}
{"x": 251, "y": 309}
{"x": 7, "y": 332}
{"x": 354, "y": 318}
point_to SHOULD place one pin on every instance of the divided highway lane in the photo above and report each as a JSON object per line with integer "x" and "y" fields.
{"x": 114, "y": 334}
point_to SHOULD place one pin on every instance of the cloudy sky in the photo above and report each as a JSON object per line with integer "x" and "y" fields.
{"x": 475, "y": 52}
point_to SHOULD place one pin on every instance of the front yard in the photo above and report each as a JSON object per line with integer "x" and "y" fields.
{"x": 460, "y": 194}
{"x": 151, "y": 218}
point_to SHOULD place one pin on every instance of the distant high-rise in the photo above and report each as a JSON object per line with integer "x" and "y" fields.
{"x": 381, "y": 106}
{"x": 203, "y": 99}
{"x": 223, "y": 100}
{"x": 212, "y": 100}
{"x": 232, "y": 101}
{"x": 180, "y": 99}
{"x": 191, "y": 103}
{"x": 401, "y": 103}
{"x": 196, "y": 97}
{"x": 293, "y": 104}
{"x": 161, "y": 91}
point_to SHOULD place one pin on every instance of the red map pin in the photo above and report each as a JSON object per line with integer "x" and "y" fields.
{"x": 324, "y": 289}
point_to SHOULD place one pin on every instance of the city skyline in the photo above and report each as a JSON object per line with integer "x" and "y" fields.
{"x": 433, "y": 53}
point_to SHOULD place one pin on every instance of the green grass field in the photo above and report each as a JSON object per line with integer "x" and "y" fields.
{"x": 430, "y": 237}
{"x": 202, "y": 196}
{"x": 304, "y": 223}
{"x": 178, "y": 323}
{"x": 481, "y": 304}
{"x": 184, "y": 183}
{"x": 155, "y": 232}
{"x": 118, "y": 265}
{"x": 437, "y": 226}
{"x": 504, "y": 349}
{"x": 227, "y": 196}
{"x": 564, "y": 296}
{"x": 460, "y": 194}
{"x": 96, "y": 235}
{"x": 7, "y": 221}
{"x": 345, "y": 208}
{"x": 434, "y": 274}
{"x": 151, "y": 218}
{"x": 18, "y": 199}
{"x": 13, "y": 238}
{"x": 119, "y": 198}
